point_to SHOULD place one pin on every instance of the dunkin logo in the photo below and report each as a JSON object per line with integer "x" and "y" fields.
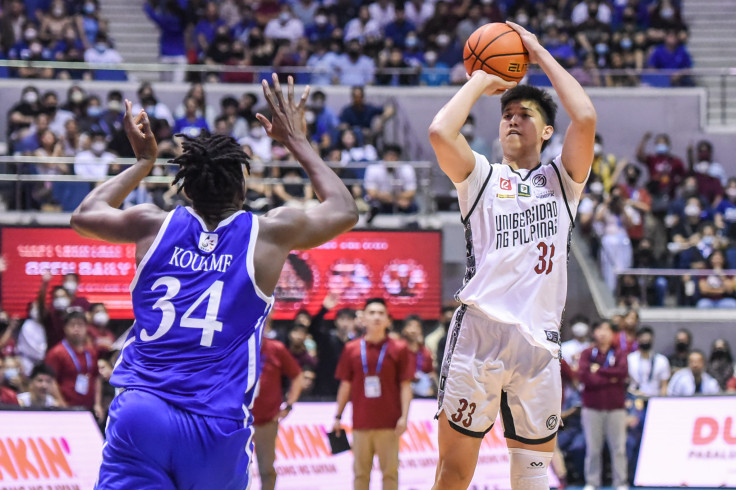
{"x": 23, "y": 458}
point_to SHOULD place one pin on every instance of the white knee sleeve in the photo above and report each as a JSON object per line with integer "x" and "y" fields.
{"x": 529, "y": 469}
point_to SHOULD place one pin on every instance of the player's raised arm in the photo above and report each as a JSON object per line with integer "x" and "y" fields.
{"x": 98, "y": 215}
{"x": 452, "y": 149}
{"x": 336, "y": 212}
{"x": 577, "y": 150}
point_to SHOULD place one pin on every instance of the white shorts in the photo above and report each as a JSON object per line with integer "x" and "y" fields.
{"x": 491, "y": 367}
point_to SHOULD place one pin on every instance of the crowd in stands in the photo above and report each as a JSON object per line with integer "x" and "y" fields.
{"x": 89, "y": 130}
{"x": 357, "y": 42}
{"x": 663, "y": 212}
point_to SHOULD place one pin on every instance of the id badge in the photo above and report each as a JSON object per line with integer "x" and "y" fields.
{"x": 81, "y": 386}
{"x": 372, "y": 387}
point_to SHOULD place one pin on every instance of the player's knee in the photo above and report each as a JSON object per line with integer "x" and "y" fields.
{"x": 454, "y": 474}
{"x": 529, "y": 469}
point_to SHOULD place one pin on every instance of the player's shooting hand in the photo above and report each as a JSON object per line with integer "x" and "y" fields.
{"x": 530, "y": 41}
{"x": 494, "y": 85}
{"x": 287, "y": 116}
{"x": 138, "y": 131}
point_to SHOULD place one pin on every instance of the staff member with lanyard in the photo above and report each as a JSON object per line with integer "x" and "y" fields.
{"x": 75, "y": 364}
{"x": 375, "y": 375}
{"x": 602, "y": 371}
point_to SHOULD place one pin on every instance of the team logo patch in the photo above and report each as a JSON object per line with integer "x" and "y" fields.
{"x": 552, "y": 422}
{"x": 539, "y": 180}
{"x": 505, "y": 184}
{"x": 552, "y": 336}
{"x": 524, "y": 190}
{"x": 207, "y": 241}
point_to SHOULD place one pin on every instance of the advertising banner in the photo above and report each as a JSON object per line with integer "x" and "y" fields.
{"x": 304, "y": 460}
{"x": 404, "y": 268}
{"x": 689, "y": 442}
{"x": 49, "y": 450}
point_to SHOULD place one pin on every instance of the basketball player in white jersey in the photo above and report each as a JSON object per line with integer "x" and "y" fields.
{"x": 502, "y": 350}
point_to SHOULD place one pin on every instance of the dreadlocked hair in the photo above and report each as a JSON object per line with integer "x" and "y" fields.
{"x": 210, "y": 171}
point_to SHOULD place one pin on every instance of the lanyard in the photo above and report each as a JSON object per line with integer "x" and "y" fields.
{"x": 364, "y": 358}
{"x": 73, "y": 355}
{"x": 651, "y": 369}
{"x": 609, "y": 357}
{"x": 420, "y": 358}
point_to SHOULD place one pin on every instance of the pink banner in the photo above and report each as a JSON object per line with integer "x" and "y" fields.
{"x": 304, "y": 460}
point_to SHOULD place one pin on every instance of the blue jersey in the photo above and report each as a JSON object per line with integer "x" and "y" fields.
{"x": 198, "y": 317}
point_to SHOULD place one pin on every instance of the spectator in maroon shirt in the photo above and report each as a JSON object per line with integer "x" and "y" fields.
{"x": 602, "y": 371}
{"x": 666, "y": 171}
{"x": 8, "y": 396}
{"x": 298, "y": 346}
{"x": 75, "y": 364}
{"x": 99, "y": 335}
{"x": 269, "y": 407}
{"x": 375, "y": 375}
{"x": 420, "y": 357}
{"x": 71, "y": 285}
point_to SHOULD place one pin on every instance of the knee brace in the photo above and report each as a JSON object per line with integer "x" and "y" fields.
{"x": 529, "y": 469}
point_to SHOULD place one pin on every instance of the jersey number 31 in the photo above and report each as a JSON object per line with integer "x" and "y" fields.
{"x": 208, "y": 324}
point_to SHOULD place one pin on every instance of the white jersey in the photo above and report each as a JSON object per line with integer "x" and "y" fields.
{"x": 517, "y": 232}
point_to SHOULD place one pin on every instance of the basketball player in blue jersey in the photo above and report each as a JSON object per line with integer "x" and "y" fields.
{"x": 502, "y": 351}
{"x": 201, "y": 293}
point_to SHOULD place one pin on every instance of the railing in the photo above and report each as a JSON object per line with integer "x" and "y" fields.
{"x": 423, "y": 168}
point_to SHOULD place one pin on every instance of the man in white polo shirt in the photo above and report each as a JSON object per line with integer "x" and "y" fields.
{"x": 648, "y": 370}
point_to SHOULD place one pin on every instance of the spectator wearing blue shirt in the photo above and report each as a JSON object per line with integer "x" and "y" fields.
{"x": 672, "y": 55}
{"x": 365, "y": 119}
{"x": 191, "y": 124}
{"x": 204, "y": 31}
{"x": 400, "y": 27}
{"x": 354, "y": 67}
{"x": 241, "y": 30}
{"x": 323, "y": 64}
{"x": 321, "y": 29}
{"x": 324, "y": 130}
{"x": 171, "y": 21}
{"x": 30, "y": 48}
{"x": 434, "y": 73}
{"x": 88, "y": 23}
{"x": 725, "y": 212}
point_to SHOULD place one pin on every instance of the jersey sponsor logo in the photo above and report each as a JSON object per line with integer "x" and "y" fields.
{"x": 506, "y": 196}
{"x": 539, "y": 180}
{"x": 207, "y": 241}
{"x": 524, "y": 190}
{"x": 505, "y": 184}
{"x": 552, "y": 422}
{"x": 186, "y": 259}
{"x": 552, "y": 336}
{"x": 536, "y": 464}
{"x": 545, "y": 194}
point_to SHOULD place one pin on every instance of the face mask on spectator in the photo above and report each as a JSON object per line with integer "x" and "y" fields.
{"x": 36, "y": 48}
{"x": 30, "y": 97}
{"x": 309, "y": 117}
{"x": 667, "y": 13}
{"x": 98, "y": 147}
{"x": 522, "y": 19}
{"x": 100, "y": 318}
{"x": 89, "y": 8}
{"x": 114, "y": 105}
{"x": 320, "y": 20}
{"x": 731, "y": 193}
{"x": 661, "y": 148}
{"x": 30, "y": 34}
{"x": 100, "y": 47}
{"x": 692, "y": 210}
{"x": 720, "y": 354}
{"x": 33, "y": 314}
{"x": 61, "y": 303}
{"x": 257, "y": 132}
{"x": 681, "y": 347}
{"x": 626, "y": 43}
{"x": 94, "y": 111}
{"x": 708, "y": 240}
{"x": 70, "y": 286}
{"x": 443, "y": 40}
{"x": 580, "y": 329}
{"x": 596, "y": 188}
{"x": 318, "y": 105}
{"x": 76, "y": 96}
{"x": 597, "y": 149}
{"x": 601, "y": 48}
{"x": 645, "y": 346}
{"x": 57, "y": 11}
{"x": 11, "y": 373}
{"x": 430, "y": 57}
{"x": 702, "y": 167}
{"x": 412, "y": 42}
{"x": 284, "y": 17}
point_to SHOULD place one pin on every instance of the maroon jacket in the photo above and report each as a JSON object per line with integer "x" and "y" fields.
{"x": 606, "y": 388}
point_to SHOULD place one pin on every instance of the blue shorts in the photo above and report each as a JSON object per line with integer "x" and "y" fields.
{"x": 154, "y": 445}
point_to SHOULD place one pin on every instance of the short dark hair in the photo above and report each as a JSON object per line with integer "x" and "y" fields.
{"x": 74, "y": 314}
{"x": 392, "y": 148}
{"x": 686, "y": 332}
{"x": 211, "y": 171}
{"x": 303, "y": 311}
{"x": 547, "y": 106}
{"x": 42, "y": 368}
{"x": 412, "y": 318}
{"x": 229, "y": 101}
{"x": 370, "y": 301}
{"x": 603, "y": 321}
{"x": 345, "y": 313}
{"x": 646, "y": 329}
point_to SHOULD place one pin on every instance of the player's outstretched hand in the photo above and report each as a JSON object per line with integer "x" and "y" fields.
{"x": 287, "y": 116}
{"x": 494, "y": 85}
{"x": 530, "y": 41}
{"x": 138, "y": 131}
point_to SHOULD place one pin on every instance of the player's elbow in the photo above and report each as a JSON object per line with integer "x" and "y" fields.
{"x": 438, "y": 132}
{"x": 587, "y": 114}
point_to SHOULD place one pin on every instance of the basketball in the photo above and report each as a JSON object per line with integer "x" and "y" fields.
{"x": 497, "y": 49}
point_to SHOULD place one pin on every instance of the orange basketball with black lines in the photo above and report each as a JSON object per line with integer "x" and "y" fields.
{"x": 497, "y": 49}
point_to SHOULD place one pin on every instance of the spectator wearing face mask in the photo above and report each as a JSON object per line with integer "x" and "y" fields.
{"x": 191, "y": 124}
{"x": 171, "y": 21}
{"x": 321, "y": 29}
{"x": 102, "y": 53}
{"x": 611, "y": 220}
{"x": 31, "y": 346}
{"x": 648, "y": 371}
{"x": 52, "y": 314}
{"x": 154, "y": 108}
{"x": 666, "y": 171}
{"x": 95, "y": 162}
{"x": 31, "y": 48}
{"x": 672, "y": 55}
{"x": 701, "y": 161}
{"x": 720, "y": 363}
{"x": 434, "y": 72}
{"x": 639, "y": 201}
{"x": 580, "y": 341}
{"x": 355, "y": 68}
{"x": 678, "y": 357}
{"x": 90, "y": 120}
{"x": 285, "y": 26}
{"x": 8, "y": 396}
{"x": 716, "y": 289}
{"x": 88, "y": 23}
{"x": 604, "y": 164}
{"x": 693, "y": 380}
{"x": 725, "y": 212}
{"x": 98, "y": 330}
{"x": 111, "y": 119}
{"x": 399, "y": 28}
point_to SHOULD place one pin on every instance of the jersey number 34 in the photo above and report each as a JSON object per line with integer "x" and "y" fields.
{"x": 208, "y": 324}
